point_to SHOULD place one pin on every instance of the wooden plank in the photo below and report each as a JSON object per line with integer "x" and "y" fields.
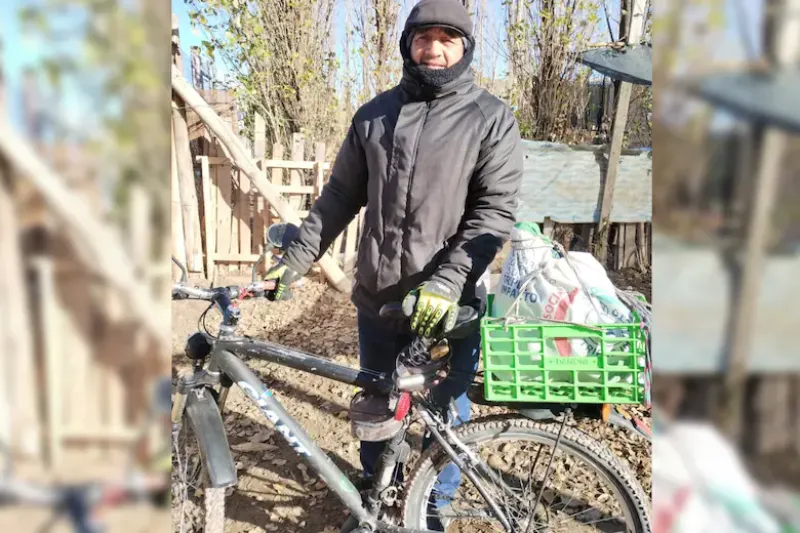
{"x": 209, "y": 215}
{"x": 236, "y": 258}
{"x": 547, "y": 227}
{"x": 635, "y": 29}
{"x": 350, "y": 246}
{"x": 120, "y": 434}
{"x": 244, "y": 214}
{"x": 336, "y": 249}
{"x": 641, "y": 245}
{"x": 176, "y": 43}
{"x": 224, "y": 209}
{"x": 178, "y": 242}
{"x": 260, "y": 137}
{"x": 16, "y": 340}
{"x": 276, "y": 173}
{"x": 796, "y": 410}
{"x": 631, "y": 255}
{"x": 297, "y": 189}
{"x": 319, "y": 171}
{"x": 53, "y": 352}
{"x": 189, "y": 206}
{"x": 196, "y": 68}
{"x": 295, "y": 176}
{"x": 259, "y": 220}
{"x": 297, "y": 165}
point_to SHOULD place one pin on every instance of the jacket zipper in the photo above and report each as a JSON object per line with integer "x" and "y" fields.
{"x": 408, "y": 194}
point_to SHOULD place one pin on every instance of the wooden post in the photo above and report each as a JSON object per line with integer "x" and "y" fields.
{"x": 260, "y": 137}
{"x": 786, "y": 48}
{"x": 635, "y": 29}
{"x": 260, "y": 214}
{"x": 277, "y": 173}
{"x": 18, "y": 399}
{"x": 176, "y": 44}
{"x": 52, "y": 345}
{"x": 243, "y": 208}
{"x": 196, "y": 68}
{"x": 178, "y": 242}
{"x": 319, "y": 182}
{"x": 296, "y": 176}
{"x": 547, "y": 227}
{"x": 188, "y": 192}
{"x": 209, "y": 215}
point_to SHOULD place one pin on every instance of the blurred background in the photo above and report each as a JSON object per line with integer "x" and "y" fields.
{"x": 84, "y": 248}
{"x": 726, "y": 250}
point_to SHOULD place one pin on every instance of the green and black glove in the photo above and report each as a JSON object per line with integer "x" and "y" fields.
{"x": 283, "y": 276}
{"x": 429, "y": 305}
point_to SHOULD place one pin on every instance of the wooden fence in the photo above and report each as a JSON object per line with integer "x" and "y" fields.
{"x": 79, "y": 374}
{"x": 92, "y": 368}
{"x": 235, "y": 217}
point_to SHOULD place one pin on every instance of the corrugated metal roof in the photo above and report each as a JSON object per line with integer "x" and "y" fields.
{"x": 772, "y": 98}
{"x": 691, "y": 310}
{"x": 631, "y": 63}
{"x": 564, "y": 183}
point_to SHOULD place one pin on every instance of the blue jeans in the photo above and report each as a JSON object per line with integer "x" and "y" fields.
{"x": 378, "y": 350}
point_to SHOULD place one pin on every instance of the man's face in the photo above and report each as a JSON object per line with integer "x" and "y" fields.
{"x": 437, "y": 47}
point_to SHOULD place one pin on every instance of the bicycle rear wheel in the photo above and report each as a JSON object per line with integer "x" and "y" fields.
{"x": 197, "y": 507}
{"x": 517, "y": 454}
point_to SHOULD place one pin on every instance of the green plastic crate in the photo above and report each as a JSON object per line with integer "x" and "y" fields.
{"x": 522, "y": 362}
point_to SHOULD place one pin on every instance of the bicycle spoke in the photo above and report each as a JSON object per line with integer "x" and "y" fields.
{"x": 536, "y": 503}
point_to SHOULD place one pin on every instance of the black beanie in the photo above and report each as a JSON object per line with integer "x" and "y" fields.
{"x": 444, "y": 14}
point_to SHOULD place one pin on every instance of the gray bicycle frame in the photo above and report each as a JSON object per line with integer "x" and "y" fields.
{"x": 223, "y": 359}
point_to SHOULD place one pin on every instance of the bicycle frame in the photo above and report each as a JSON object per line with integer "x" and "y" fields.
{"x": 225, "y": 364}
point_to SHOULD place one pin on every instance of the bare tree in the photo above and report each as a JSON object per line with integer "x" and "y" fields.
{"x": 544, "y": 38}
{"x": 282, "y": 57}
{"x": 378, "y": 30}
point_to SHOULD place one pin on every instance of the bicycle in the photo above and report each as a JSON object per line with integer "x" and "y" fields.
{"x": 81, "y": 503}
{"x": 217, "y": 364}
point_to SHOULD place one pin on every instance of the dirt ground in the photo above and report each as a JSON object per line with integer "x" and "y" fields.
{"x": 275, "y": 491}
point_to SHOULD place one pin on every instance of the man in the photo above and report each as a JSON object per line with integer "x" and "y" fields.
{"x": 437, "y": 162}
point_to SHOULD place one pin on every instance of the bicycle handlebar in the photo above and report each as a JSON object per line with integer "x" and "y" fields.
{"x": 180, "y": 291}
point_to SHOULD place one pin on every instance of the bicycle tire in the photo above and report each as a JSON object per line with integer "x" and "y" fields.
{"x": 213, "y": 501}
{"x": 512, "y": 426}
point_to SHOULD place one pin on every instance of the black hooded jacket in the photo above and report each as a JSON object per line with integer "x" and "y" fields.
{"x": 438, "y": 169}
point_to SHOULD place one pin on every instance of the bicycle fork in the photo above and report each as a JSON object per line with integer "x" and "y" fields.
{"x": 436, "y": 428}
{"x": 394, "y": 455}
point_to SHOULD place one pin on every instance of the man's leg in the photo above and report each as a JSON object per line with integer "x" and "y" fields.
{"x": 378, "y": 349}
{"x": 464, "y": 358}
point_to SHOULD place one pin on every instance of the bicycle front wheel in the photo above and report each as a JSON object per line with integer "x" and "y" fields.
{"x": 579, "y": 487}
{"x": 197, "y": 507}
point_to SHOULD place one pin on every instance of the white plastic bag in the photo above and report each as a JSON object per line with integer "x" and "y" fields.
{"x": 554, "y": 287}
{"x": 538, "y": 282}
{"x": 702, "y": 484}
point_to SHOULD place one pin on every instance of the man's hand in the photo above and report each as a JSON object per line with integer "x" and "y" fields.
{"x": 429, "y": 305}
{"x": 283, "y": 276}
